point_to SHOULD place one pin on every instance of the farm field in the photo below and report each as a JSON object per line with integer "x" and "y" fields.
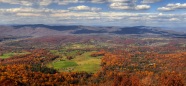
{"x": 80, "y": 63}
{"x": 8, "y": 55}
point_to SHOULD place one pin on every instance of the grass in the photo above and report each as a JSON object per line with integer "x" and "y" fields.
{"x": 8, "y": 55}
{"x": 90, "y": 68}
{"x": 87, "y": 63}
{"x": 80, "y": 63}
{"x": 79, "y": 46}
{"x": 64, "y": 64}
{"x": 55, "y": 52}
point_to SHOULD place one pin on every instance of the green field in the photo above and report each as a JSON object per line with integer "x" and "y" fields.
{"x": 8, "y": 55}
{"x": 87, "y": 63}
{"x": 79, "y": 46}
{"x": 56, "y": 52}
{"x": 64, "y": 64}
{"x": 65, "y": 52}
{"x": 80, "y": 63}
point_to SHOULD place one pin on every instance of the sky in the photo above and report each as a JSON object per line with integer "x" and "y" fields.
{"x": 168, "y": 13}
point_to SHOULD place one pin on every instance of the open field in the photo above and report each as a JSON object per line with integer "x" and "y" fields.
{"x": 8, "y": 55}
{"x": 79, "y": 46}
{"x": 80, "y": 63}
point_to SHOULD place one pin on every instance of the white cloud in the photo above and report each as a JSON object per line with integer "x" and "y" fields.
{"x": 84, "y": 8}
{"x": 65, "y": 14}
{"x": 20, "y": 2}
{"x": 75, "y": 14}
{"x": 121, "y": 6}
{"x": 165, "y": 9}
{"x": 126, "y": 6}
{"x": 119, "y": 1}
{"x": 170, "y": 7}
{"x": 174, "y": 19}
{"x": 142, "y": 7}
{"x": 40, "y": 2}
{"x": 112, "y": 1}
{"x": 150, "y": 1}
{"x": 177, "y": 5}
{"x": 65, "y": 2}
{"x": 45, "y": 2}
{"x": 98, "y": 1}
{"x": 52, "y": 16}
{"x": 29, "y": 14}
{"x": 33, "y": 11}
{"x": 28, "y": 2}
{"x": 118, "y": 14}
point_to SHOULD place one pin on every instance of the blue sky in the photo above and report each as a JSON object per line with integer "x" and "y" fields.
{"x": 168, "y": 13}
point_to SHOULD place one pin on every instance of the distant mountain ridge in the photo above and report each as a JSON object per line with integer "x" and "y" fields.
{"x": 38, "y": 30}
{"x": 59, "y": 28}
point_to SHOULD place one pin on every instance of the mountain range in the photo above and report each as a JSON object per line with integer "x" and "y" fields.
{"x": 39, "y": 30}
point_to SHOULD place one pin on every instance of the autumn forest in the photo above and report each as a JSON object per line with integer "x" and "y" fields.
{"x": 94, "y": 61}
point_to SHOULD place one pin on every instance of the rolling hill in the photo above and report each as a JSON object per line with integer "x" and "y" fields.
{"x": 39, "y": 30}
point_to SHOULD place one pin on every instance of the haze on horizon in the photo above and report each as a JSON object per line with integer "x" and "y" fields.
{"x": 164, "y": 13}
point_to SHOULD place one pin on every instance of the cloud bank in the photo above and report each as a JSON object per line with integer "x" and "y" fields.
{"x": 92, "y": 12}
